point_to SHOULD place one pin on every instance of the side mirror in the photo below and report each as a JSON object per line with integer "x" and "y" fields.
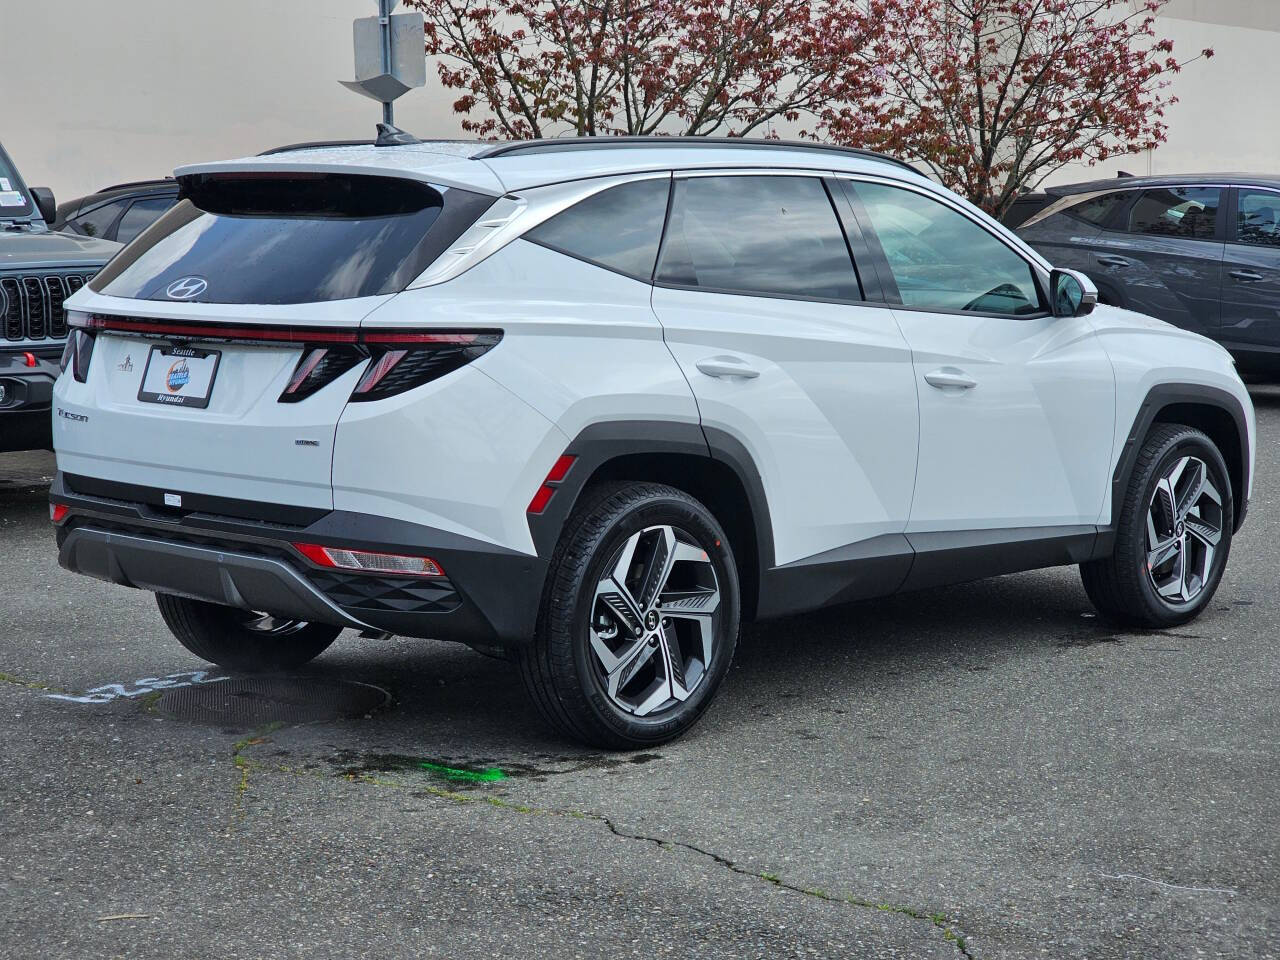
{"x": 45, "y": 203}
{"x": 1074, "y": 294}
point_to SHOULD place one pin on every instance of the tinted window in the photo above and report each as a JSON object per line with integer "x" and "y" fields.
{"x": 1258, "y": 220}
{"x": 942, "y": 260}
{"x": 1097, "y": 210}
{"x": 96, "y": 222}
{"x": 1188, "y": 212}
{"x": 619, "y": 228}
{"x": 759, "y": 235}
{"x": 141, "y": 215}
{"x": 297, "y": 239}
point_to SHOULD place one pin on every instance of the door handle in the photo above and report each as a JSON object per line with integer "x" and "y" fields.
{"x": 1109, "y": 260}
{"x": 945, "y": 377}
{"x": 1246, "y": 276}
{"x": 727, "y": 367}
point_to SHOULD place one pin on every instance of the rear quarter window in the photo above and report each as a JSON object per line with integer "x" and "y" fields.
{"x": 295, "y": 238}
{"x": 619, "y": 228}
{"x": 1099, "y": 210}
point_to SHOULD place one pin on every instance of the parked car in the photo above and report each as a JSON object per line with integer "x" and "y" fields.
{"x": 1200, "y": 252}
{"x": 1025, "y": 207}
{"x": 118, "y": 213}
{"x": 590, "y": 404}
{"x": 39, "y": 269}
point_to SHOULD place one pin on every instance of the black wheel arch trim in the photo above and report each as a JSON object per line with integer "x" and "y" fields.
{"x": 600, "y": 444}
{"x": 1158, "y": 399}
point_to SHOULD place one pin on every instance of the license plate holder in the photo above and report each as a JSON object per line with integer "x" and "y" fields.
{"x": 179, "y": 376}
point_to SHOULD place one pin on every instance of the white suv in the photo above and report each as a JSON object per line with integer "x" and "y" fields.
{"x": 589, "y": 404}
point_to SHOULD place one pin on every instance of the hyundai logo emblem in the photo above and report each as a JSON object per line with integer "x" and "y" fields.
{"x": 188, "y": 288}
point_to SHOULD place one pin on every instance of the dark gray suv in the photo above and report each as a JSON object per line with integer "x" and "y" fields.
{"x": 39, "y": 269}
{"x": 1201, "y": 252}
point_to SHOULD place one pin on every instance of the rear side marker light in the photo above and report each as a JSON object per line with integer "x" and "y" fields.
{"x": 367, "y": 561}
{"x": 559, "y": 470}
{"x": 58, "y": 512}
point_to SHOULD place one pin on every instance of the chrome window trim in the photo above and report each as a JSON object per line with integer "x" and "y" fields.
{"x": 513, "y": 215}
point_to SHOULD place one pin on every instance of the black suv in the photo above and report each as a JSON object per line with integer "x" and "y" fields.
{"x": 118, "y": 213}
{"x": 39, "y": 269}
{"x": 1201, "y": 252}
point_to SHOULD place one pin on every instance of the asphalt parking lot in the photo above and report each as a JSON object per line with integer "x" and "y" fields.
{"x": 983, "y": 771}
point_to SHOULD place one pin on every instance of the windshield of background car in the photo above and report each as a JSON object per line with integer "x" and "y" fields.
{"x": 291, "y": 238}
{"x": 15, "y": 201}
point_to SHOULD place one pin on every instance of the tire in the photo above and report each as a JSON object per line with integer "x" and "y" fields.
{"x": 628, "y": 668}
{"x": 240, "y": 640}
{"x": 1120, "y": 586}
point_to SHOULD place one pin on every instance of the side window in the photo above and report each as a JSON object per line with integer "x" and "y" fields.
{"x": 97, "y": 221}
{"x": 757, "y": 235}
{"x": 1098, "y": 209}
{"x": 141, "y": 215}
{"x": 942, "y": 260}
{"x": 619, "y": 228}
{"x": 1258, "y": 219}
{"x": 1187, "y": 212}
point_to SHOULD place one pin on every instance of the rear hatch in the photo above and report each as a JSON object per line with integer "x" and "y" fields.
{"x": 212, "y": 359}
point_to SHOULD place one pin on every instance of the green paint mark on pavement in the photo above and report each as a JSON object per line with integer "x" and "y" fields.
{"x": 461, "y": 775}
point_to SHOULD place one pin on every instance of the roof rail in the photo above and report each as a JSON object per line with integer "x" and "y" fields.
{"x": 607, "y": 143}
{"x": 315, "y": 145}
{"x": 137, "y": 183}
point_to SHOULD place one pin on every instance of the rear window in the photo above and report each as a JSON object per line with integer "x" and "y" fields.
{"x": 295, "y": 238}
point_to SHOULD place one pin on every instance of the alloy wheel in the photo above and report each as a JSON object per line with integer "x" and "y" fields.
{"x": 653, "y": 621}
{"x": 1184, "y": 527}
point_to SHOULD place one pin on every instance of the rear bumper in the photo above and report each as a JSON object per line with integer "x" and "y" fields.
{"x": 26, "y": 394}
{"x": 487, "y": 599}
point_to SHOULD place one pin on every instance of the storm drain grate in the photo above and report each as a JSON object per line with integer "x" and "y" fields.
{"x": 254, "y": 701}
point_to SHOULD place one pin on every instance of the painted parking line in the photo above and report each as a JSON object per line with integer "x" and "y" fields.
{"x": 138, "y": 688}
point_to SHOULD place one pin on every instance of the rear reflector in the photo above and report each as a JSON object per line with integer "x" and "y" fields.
{"x": 367, "y": 561}
{"x": 58, "y": 512}
{"x": 559, "y": 470}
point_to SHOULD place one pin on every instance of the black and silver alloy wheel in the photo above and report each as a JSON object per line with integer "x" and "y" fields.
{"x": 1184, "y": 528}
{"x": 653, "y": 627}
{"x": 1173, "y": 536}
{"x": 639, "y": 619}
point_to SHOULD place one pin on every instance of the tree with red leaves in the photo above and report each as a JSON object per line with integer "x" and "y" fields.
{"x": 992, "y": 96}
{"x": 540, "y": 68}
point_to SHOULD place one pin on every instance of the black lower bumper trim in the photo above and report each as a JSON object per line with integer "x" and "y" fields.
{"x": 488, "y": 598}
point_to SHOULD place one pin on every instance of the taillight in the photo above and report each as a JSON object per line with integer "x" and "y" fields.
{"x": 402, "y": 361}
{"x": 77, "y": 354}
{"x": 319, "y": 366}
{"x": 58, "y": 512}
{"x": 368, "y": 561}
{"x": 398, "y": 361}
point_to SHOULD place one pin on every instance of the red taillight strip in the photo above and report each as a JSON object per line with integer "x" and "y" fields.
{"x": 211, "y": 331}
{"x": 275, "y": 333}
{"x": 388, "y": 336}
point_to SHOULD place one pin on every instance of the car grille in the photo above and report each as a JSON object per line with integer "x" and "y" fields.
{"x": 31, "y": 304}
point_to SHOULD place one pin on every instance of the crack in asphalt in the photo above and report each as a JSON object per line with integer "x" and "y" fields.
{"x": 940, "y": 921}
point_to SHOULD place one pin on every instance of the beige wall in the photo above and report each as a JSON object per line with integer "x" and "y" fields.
{"x": 1228, "y": 114}
{"x": 97, "y": 91}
